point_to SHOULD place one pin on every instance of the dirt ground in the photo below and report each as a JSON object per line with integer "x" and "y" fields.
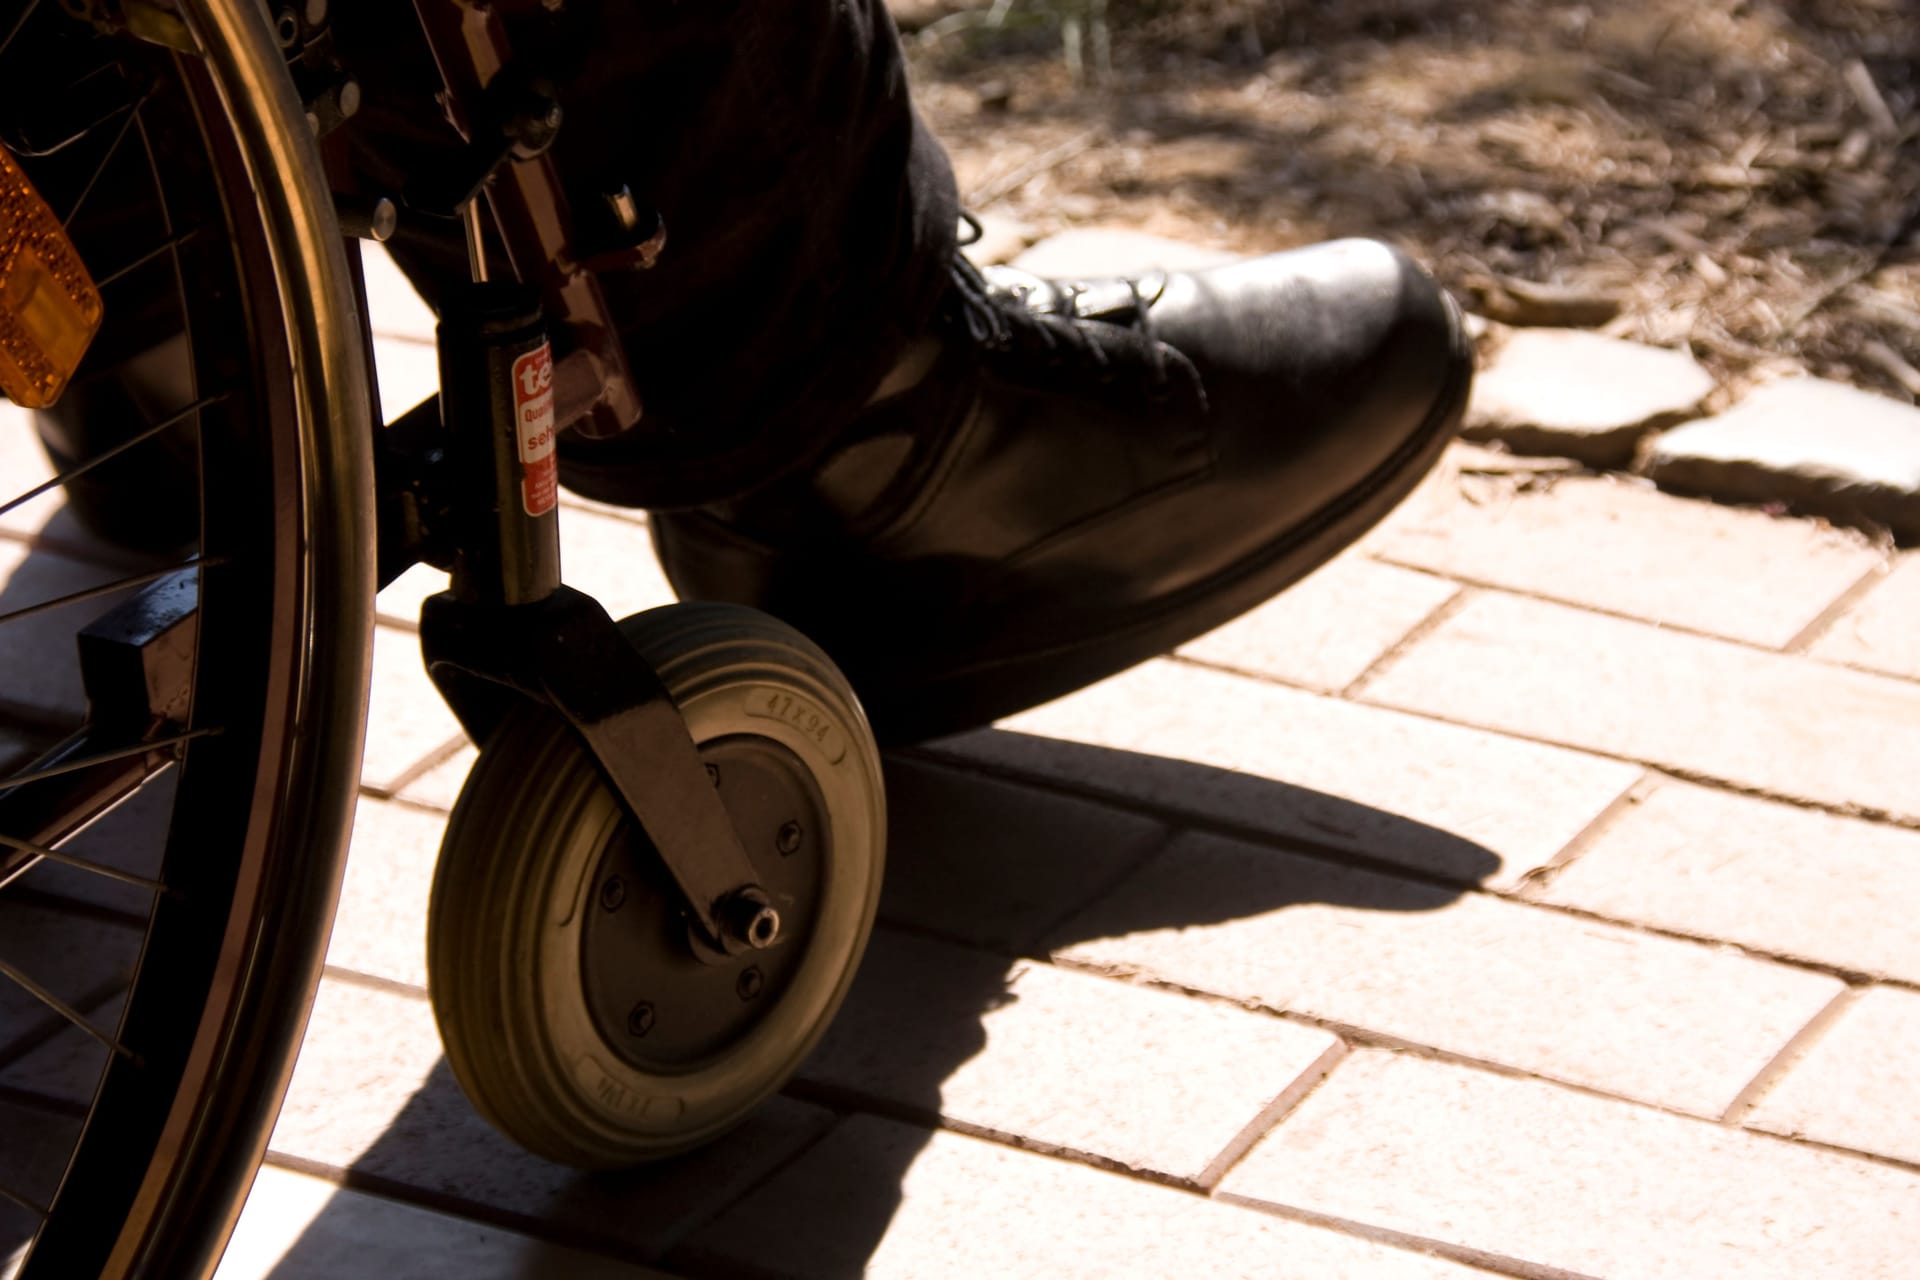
{"x": 1742, "y": 178}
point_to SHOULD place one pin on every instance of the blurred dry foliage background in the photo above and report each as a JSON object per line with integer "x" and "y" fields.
{"x": 1739, "y": 177}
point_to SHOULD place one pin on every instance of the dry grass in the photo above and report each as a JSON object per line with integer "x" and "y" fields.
{"x": 1741, "y": 178}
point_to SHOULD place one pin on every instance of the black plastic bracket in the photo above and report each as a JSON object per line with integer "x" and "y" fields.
{"x": 566, "y": 652}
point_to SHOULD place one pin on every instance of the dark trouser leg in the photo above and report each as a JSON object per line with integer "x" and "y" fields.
{"x": 810, "y": 218}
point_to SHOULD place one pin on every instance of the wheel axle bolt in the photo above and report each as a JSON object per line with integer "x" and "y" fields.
{"x": 752, "y": 982}
{"x": 713, "y": 774}
{"x": 613, "y": 893}
{"x": 788, "y": 841}
{"x": 640, "y": 1021}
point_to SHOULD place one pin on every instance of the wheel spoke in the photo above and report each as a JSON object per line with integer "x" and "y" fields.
{"x": 26, "y": 13}
{"x": 80, "y": 864}
{"x": 32, "y": 1206}
{"x": 105, "y": 589}
{"x": 62, "y": 1008}
{"x": 160, "y": 250}
{"x": 105, "y": 757}
{"x": 106, "y": 158}
{"x": 73, "y": 473}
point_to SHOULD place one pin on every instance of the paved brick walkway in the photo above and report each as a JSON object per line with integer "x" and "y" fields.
{"x": 1530, "y": 892}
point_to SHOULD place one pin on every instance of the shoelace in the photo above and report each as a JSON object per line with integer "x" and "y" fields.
{"x": 1004, "y": 325}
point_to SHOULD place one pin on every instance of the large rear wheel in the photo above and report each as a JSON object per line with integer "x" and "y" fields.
{"x": 173, "y": 809}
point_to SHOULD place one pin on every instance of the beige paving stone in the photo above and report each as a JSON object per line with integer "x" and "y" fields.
{"x": 612, "y": 560}
{"x": 398, "y": 603}
{"x": 1454, "y": 802}
{"x": 1671, "y": 1022}
{"x": 1324, "y": 631}
{"x": 80, "y": 961}
{"x": 1883, "y": 630}
{"x": 406, "y": 372}
{"x": 23, "y": 464}
{"x": 884, "y": 1200}
{"x": 1564, "y": 1180}
{"x": 32, "y": 1158}
{"x": 1582, "y": 395}
{"x": 1062, "y": 1061}
{"x": 381, "y": 926}
{"x": 66, "y": 1069}
{"x": 996, "y": 864}
{"x": 1824, "y": 446}
{"x": 1789, "y": 881}
{"x": 394, "y": 307}
{"x": 38, "y": 652}
{"x": 298, "y": 1227}
{"x": 130, "y": 837}
{"x": 1617, "y": 546}
{"x": 371, "y": 1093}
{"x": 406, "y": 719}
{"x": 440, "y": 786}
{"x": 1773, "y": 722}
{"x": 1856, "y": 1086}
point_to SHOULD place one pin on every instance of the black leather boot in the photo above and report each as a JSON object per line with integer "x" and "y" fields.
{"x": 1077, "y": 477}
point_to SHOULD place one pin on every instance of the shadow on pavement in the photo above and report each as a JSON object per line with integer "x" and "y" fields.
{"x": 982, "y": 871}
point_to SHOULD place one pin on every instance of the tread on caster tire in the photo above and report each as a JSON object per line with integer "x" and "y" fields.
{"x": 575, "y": 1014}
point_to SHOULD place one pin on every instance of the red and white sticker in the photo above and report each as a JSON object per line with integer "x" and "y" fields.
{"x": 533, "y": 418}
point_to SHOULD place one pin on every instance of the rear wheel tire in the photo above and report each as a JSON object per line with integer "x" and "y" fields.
{"x": 573, "y": 1011}
{"x": 209, "y": 179}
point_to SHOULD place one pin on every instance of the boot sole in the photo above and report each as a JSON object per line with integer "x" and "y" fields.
{"x": 971, "y": 697}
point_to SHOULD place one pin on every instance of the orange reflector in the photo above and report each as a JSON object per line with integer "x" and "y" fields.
{"x": 49, "y": 307}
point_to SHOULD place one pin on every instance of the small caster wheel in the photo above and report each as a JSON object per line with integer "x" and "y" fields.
{"x": 574, "y": 1010}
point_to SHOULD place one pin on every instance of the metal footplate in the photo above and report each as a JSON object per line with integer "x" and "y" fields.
{"x": 507, "y": 630}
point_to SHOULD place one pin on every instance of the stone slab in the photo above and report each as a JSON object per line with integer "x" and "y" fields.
{"x": 406, "y": 372}
{"x": 1097, "y": 252}
{"x": 1827, "y": 448}
{"x": 81, "y": 961}
{"x": 395, "y": 308}
{"x": 372, "y": 1093}
{"x": 407, "y": 722}
{"x": 1617, "y": 546}
{"x": 380, "y": 928}
{"x": 1771, "y": 722}
{"x": 24, "y": 464}
{"x": 1675, "y": 1023}
{"x": 34, "y": 1155}
{"x": 66, "y": 1069}
{"x": 1581, "y": 395}
{"x": 1060, "y": 1061}
{"x": 1882, "y": 631}
{"x": 439, "y": 786}
{"x": 996, "y": 864}
{"x": 1326, "y": 629}
{"x": 298, "y": 1227}
{"x": 1453, "y": 802}
{"x": 130, "y": 837}
{"x": 43, "y": 643}
{"x": 1856, "y": 1086}
{"x": 1583, "y": 1185}
{"x": 612, "y": 560}
{"x": 884, "y": 1200}
{"x": 1792, "y": 882}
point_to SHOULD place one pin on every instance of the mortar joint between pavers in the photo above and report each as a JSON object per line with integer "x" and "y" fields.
{"x": 1540, "y": 877}
{"x": 1499, "y": 1264}
{"x": 1420, "y": 630}
{"x": 1841, "y": 606}
{"x": 1274, "y": 1114}
{"x": 1790, "y": 1054}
